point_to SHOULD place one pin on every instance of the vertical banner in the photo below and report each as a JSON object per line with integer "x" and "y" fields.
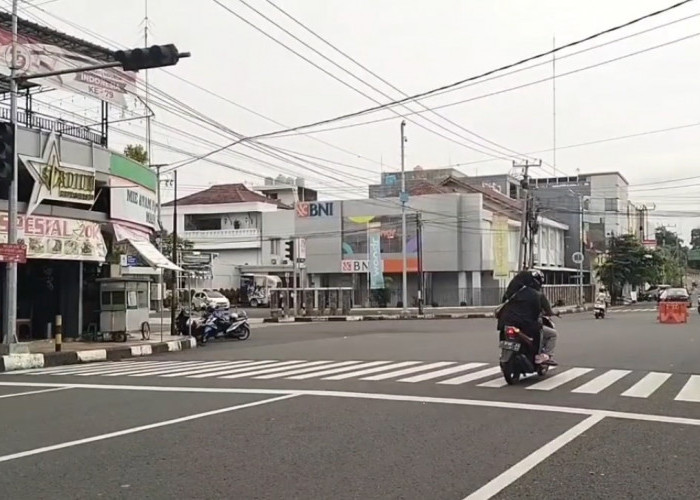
{"x": 374, "y": 256}
{"x": 500, "y": 246}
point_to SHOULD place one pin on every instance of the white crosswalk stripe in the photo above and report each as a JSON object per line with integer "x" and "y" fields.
{"x": 647, "y": 386}
{"x": 620, "y": 382}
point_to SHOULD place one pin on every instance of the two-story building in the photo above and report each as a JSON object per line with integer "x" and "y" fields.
{"x": 239, "y": 229}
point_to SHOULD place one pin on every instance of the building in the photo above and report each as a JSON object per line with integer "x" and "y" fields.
{"x": 233, "y": 230}
{"x": 466, "y": 244}
{"x": 287, "y": 190}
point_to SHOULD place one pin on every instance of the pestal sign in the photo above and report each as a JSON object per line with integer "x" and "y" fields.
{"x": 55, "y": 180}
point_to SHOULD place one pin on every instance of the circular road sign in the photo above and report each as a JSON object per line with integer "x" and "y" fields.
{"x": 577, "y": 257}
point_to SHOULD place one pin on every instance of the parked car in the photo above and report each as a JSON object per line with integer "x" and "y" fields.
{"x": 653, "y": 293}
{"x": 205, "y": 298}
{"x": 676, "y": 295}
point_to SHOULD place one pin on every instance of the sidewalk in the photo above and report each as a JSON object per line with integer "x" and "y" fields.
{"x": 484, "y": 313}
{"x": 42, "y": 354}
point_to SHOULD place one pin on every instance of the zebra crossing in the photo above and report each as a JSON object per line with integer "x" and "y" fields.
{"x": 576, "y": 380}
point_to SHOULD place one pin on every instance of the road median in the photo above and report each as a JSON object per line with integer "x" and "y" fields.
{"x": 405, "y": 317}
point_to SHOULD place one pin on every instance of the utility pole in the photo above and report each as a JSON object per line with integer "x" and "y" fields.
{"x": 525, "y": 251}
{"x": 10, "y": 302}
{"x": 419, "y": 236}
{"x": 295, "y": 274}
{"x": 404, "y": 200}
{"x": 173, "y": 282}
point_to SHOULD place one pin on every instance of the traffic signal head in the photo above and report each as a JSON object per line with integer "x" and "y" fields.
{"x": 7, "y": 150}
{"x": 289, "y": 249}
{"x": 155, "y": 56}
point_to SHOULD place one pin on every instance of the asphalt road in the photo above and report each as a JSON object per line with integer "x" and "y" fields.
{"x": 364, "y": 410}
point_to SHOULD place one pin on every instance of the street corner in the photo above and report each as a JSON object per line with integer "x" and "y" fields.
{"x": 30, "y": 361}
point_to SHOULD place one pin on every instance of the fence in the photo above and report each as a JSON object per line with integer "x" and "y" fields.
{"x": 43, "y": 122}
{"x": 485, "y": 296}
{"x": 313, "y": 301}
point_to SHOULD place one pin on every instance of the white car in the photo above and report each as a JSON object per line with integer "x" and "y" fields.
{"x": 205, "y": 298}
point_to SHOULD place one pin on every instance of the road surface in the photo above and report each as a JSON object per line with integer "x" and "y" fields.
{"x": 365, "y": 410}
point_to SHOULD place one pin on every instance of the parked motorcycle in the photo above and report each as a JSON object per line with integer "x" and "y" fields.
{"x": 518, "y": 354}
{"x": 187, "y": 324}
{"x": 227, "y": 325}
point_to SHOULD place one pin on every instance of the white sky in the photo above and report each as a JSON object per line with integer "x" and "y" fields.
{"x": 417, "y": 45}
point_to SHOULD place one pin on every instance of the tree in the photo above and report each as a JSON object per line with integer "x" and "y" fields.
{"x": 629, "y": 262}
{"x": 695, "y": 238}
{"x": 676, "y": 255}
{"x": 137, "y": 153}
{"x": 167, "y": 245}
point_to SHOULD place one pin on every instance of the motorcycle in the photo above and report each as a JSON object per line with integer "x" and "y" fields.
{"x": 599, "y": 310}
{"x": 226, "y": 325}
{"x": 519, "y": 354}
{"x": 187, "y": 324}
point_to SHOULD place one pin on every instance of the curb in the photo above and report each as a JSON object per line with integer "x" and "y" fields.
{"x": 384, "y": 317}
{"x": 14, "y": 362}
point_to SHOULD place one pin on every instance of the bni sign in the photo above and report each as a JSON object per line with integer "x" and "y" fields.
{"x": 314, "y": 209}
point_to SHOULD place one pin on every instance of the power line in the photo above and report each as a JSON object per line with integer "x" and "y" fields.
{"x": 484, "y": 74}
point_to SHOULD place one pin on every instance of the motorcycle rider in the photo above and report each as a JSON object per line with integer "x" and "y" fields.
{"x": 219, "y": 314}
{"x": 603, "y": 296}
{"x": 523, "y": 304}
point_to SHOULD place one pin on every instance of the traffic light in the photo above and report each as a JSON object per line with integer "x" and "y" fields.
{"x": 289, "y": 250}
{"x": 155, "y": 56}
{"x": 7, "y": 150}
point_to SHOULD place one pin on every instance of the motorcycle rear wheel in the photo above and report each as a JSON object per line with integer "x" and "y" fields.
{"x": 510, "y": 372}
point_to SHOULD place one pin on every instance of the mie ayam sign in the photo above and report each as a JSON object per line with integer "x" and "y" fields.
{"x": 132, "y": 203}
{"x": 57, "y": 180}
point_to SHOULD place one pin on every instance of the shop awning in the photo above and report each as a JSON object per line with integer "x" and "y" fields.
{"x": 151, "y": 254}
{"x": 140, "y": 242}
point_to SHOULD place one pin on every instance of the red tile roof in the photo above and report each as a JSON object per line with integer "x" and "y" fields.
{"x": 224, "y": 193}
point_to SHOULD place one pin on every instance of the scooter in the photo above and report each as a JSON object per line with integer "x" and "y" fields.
{"x": 599, "y": 309}
{"x": 519, "y": 354}
{"x": 187, "y": 324}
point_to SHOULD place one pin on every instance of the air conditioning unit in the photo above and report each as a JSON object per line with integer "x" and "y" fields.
{"x": 273, "y": 261}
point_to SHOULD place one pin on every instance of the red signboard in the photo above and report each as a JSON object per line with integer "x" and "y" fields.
{"x": 13, "y": 253}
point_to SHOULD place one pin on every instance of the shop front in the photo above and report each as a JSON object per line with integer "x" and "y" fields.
{"x": 64, "y": 257}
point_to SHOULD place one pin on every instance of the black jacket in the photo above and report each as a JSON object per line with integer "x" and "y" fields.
{"x": 526, "y": 303}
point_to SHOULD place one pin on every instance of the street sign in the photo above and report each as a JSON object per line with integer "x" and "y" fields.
{"x": 301, "y": 249}
{"x": 13, "y": 253}
{"x": 577, "y": 257}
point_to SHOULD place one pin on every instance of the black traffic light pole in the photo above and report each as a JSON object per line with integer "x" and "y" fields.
{"x": 125, "y": 63}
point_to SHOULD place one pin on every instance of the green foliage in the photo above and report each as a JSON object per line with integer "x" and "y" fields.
{"x": 137, "y": 153}
{"x": 628, "y": 261}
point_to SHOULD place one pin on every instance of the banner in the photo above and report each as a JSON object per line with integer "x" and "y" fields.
{"x": 111, "y": 85}
{"x": 501, "y": 235}
{"x": 374, "y": 256}
{"x": 57, "y": 238}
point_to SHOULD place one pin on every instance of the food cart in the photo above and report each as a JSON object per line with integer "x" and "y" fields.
{"x": 124, "y": 307}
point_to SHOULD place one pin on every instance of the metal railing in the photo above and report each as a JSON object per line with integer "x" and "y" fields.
{"x": 217, "y": 234}
{"x": 44, "y": 122}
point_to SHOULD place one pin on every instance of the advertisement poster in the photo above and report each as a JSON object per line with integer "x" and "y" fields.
{"x": 375, "y": 256}
{"x": 133, "y": 203}
{"x": 500, "y": 247}
{"x": 57, "y": 238}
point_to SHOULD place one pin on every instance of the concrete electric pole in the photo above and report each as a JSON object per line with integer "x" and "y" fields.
{"x": 404, "y": 199}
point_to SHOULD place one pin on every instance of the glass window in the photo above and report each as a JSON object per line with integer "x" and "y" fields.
{"x": 611, "y": 205}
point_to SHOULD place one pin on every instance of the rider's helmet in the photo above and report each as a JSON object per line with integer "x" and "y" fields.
{"x": 537, "y": 278}
{"x": 602, "y": 288}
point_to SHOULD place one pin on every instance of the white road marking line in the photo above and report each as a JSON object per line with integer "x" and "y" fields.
{"x": 360, "y": 373}
{"x": 408, "y": 371}
{"x": 469, "y": 377}
{"x": 29, "y": 393}
{"x": 647, "y": 386}
{"x": 499, "y": 382}
{"x": 323, "y": 373}
{"x": 479, "y": 403}
{"x": 691, "y": 390}
{"x": 49, "y": 369}
{"x": 266, "y": 362}
{"x": 562, "y": 378}
{"x": 180, "y": 368}
{"x": 141, "y": 428}
{"x": 602, "y": 382}
{"x": 442, "y": 373}
{"x": 133, "y": 371}
{"x": 271, "y": 370}
{"x": 211, "y": 367}
{"x": 501, "y": 482}
{"x": 306, "y": 370}
{"x": 113, "y": 366}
